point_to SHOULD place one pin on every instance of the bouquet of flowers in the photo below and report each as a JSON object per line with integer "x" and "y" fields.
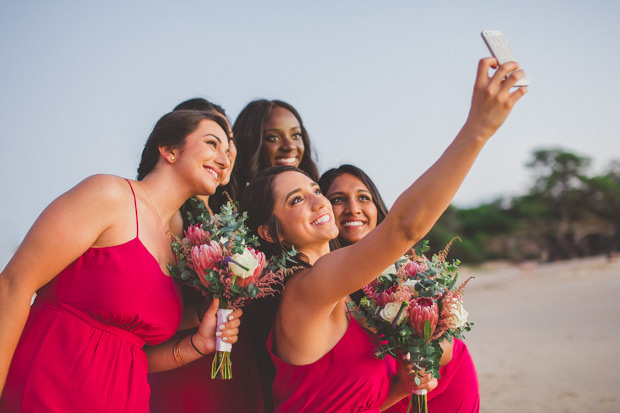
{"x": 413, "y": 306}
{"x": 217, "y": 257}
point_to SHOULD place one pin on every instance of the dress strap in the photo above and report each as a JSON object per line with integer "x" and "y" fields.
{"x": 135, "y": 205}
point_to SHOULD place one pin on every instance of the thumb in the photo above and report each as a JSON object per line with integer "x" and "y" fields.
{"x": 212, "y": 310}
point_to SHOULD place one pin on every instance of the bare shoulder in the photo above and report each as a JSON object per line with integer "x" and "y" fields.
{"x": 106, "y": 186}
{"x": 100, "y": 197}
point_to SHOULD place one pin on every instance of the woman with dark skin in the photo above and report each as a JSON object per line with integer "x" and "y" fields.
{"x": 270, "y": 133}
{"x": 94, "y": 311}
{"x": 358, "y": 209}
{"x": 286, "y": 208}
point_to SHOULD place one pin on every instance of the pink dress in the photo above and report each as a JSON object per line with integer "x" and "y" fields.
{"x": 191, "y": 388}
{"x": 82, "y": 347}
{"x": 347, "y": 379}
{"x": 457, "y": 389}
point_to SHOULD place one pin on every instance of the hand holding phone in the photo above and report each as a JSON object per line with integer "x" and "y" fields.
{"x": 498, "y": 45}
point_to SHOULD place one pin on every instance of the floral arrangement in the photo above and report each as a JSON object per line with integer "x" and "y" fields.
{"x": 217, "y": 257}
{"x": 413, "y": 306}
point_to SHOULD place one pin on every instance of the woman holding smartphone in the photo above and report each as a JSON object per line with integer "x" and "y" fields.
{"x": 105, "y": 304}
{"x": 314, "y": 343}
{"x": 358, "y": 209}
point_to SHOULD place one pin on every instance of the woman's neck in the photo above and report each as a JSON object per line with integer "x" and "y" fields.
{"x": 205, "y": 200}
{"x": 313, "y": 253}
{"x": 165, "y": 192}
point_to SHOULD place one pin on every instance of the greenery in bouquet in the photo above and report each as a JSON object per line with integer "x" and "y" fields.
{"x": 217, "y": 257}
{"x": 413, "y": 306}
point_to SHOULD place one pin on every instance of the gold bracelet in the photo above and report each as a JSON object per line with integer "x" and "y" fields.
{"x": 176, "y": 352}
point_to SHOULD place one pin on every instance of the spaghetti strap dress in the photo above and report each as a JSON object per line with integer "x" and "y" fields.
{"x": 347, "y": 379}
{"x": 82, "y": 346}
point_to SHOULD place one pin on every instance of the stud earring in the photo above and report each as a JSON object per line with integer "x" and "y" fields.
{"x": 173, "y": 158}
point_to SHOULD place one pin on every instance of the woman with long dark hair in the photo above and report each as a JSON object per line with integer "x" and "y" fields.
{"x": 191, "y": 388}
{"x": 270, "y": 133}
{"x": 267, "y": 133}
{"x": 358, "y": 209}
{"x": 105, "y": 304}
{"x": 324, "y": 359}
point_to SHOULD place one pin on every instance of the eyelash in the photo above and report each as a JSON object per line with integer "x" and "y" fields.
{"x": 295, "y": 200}
{"x": 338, "y": 199}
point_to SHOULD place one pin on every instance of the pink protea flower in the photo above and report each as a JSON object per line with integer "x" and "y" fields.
{"x": 260, "y": 264}
{"x": 206, "y": 257}
{"x": 196, "y": 235}
{"x": 413, "y": 268}
{"x": 423, "y": 309}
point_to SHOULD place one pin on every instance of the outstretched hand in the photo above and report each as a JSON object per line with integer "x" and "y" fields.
{"x": 492, "y": 100}
{"x": 207, "y": 332}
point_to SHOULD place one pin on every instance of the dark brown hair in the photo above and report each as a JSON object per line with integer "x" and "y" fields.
{"x": 171, "y": 130}
{"x": 328, "y": 178}
{"x": 248, "y": 136}
{"x": 219, "y": 198}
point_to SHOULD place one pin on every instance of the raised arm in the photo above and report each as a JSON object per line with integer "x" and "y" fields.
{"x": 341, "y": 272}
{"x": 66, "y": 228}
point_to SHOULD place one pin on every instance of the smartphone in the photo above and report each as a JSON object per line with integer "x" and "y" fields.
{"x": 498, "y": 45}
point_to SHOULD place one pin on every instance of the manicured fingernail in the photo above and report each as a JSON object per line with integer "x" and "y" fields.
{"x": 218, "y": 333}
{"x": 222, "y": 326}
{"x": 224, "y": 339}
{"x": 231, "y": 317}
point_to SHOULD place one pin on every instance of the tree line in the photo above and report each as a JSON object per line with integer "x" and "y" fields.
{"x": 566, "y": 213}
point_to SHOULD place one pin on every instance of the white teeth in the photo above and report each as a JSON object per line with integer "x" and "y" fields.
{"x": 353, "y": 224}
{"x": 321, "y": 219}
{"x": 286, "y": 161}
{"x": 213, "y": 172}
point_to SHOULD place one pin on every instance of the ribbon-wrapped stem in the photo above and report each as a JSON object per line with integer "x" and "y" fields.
{"x": 221, "y": 368}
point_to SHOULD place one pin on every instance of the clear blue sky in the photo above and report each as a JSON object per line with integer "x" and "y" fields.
{"x": 383, "y": 85}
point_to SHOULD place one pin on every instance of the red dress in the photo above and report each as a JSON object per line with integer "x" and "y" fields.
{"x": 191, "y": 389}
{"x": 82, "y": 347}
{"x": 457, "y": 390}
{"x": 347, "y": 379}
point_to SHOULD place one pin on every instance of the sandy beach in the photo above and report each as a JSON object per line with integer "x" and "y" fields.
{"x": 546, "y": 336}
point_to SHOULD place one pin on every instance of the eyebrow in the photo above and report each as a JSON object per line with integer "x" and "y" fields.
{"x": 291, "y": 193}
{"x": 210, "y": 134}
{"x": 294, "y": 191}
{"x": 277, "y": 129}
{"x": 357, "y": 191}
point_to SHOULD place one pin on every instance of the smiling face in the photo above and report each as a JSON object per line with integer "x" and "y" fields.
{"x": 305, "y": 215}
{"x": 282, "y": 140}
{"x": 203, "y": 159}
{"x": 354, "y": 210}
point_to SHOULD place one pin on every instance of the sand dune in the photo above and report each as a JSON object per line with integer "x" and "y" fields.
{"x": 546, "y": 336}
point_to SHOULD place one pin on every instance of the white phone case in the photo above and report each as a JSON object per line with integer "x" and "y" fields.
{"x": 498, "y": 45}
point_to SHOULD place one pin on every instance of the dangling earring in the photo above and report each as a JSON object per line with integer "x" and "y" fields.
{"x": 173, "y": 158}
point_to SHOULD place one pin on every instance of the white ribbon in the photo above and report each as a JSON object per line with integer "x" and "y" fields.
{"x": 222, "y": 317}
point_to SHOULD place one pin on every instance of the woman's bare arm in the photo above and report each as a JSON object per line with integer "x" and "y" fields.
{"x": 64, "y": 230}
{"x": 341, "y": 272}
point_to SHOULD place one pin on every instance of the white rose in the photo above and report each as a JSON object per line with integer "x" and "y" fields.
{"x": 410, "y": 283}
{"x": 247, "y": 260}
{"x": 459, "y": 316}
{"x": 389, "y": 270}
{"x": 389, "y": 312}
